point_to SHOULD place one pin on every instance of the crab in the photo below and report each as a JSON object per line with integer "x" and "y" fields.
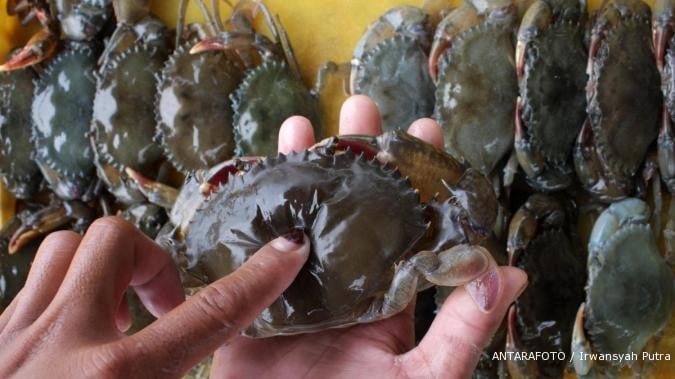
{"x": 20, "y": 174}
{"x": 271, "y": 92}
{"x": 192, "y": 99}
{"x": 64, "y": 92}
{"x": 618, "y": 131}
{"x": 664, "y": 45}
{"x": 629, "y": 294}
{"x": 210, "y": 85}
{"x": 388, "y": 65}
{"x": 426, "y": 232}
{"x": 542, "y": 243}
{"x": 472, "y": 61}
{"x": 123, "y": 123}
{"x": 550, "y": 63}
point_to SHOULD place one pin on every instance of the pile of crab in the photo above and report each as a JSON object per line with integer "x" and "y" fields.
{"x": 572, "y": 122}
{"x": 103, "y": 86}
{"x": 552, "y": 119}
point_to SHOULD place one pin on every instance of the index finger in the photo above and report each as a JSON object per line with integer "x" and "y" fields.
{"x": 184, "y": 336}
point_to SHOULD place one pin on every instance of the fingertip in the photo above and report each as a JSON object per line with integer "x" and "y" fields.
{"x": 515, "y": 282}
{"x": 427, "y": 130}
{"x": 295, "y": 134}
{"x": 359, "y": 115}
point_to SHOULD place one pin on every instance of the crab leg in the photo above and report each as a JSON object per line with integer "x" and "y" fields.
{"x": 156, "y": 192}
{"x": 40, "y": 47}
{"x": 453, "y": 267}
{"x": 517, "y": 368}
{"x": 48, "y": 220}
{"x": 580, "y": 345}
{"x": 448, "y": 29}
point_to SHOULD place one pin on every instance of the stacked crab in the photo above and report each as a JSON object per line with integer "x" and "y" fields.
{"x": 580, "y": 117}
{"x": 89, "y": 98}
{"x": 91, "y": 128}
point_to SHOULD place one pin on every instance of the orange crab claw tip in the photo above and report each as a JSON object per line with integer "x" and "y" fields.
{"x": 17, "y": 242}
{"x": 208, "y": 45}
{"x": 137, "y": 177}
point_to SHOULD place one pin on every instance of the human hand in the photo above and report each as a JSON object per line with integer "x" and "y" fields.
{"x": 451, "y": 347}
{"x": 67, "y": 320}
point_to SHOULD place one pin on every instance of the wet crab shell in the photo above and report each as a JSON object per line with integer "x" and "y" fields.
{"x": 361, "y": 220}
{"x": 395, "y": 76}
{"x": 629, "y": 295}
{"x": 624, "y": 96}
{"x": 547, "y": 308}
{"x": 123, "y": 124}
{"x": 84, "y": 19}
{"x": 61, "y": 112}
{"x": 19, "y": 173}
{"x": 553, "y": 92}
{"x": 269, "y": 95}
{"x": 475, "y": 95}
{"x": 194, "y": 115}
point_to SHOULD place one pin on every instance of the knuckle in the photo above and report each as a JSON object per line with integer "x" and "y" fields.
{"x": 220, "y": 303}
{"x": 107, "y": 361}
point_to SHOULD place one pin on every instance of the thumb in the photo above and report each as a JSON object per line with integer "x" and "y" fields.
{"x": 462, "y": 328}
{"x": 190, "y": 332}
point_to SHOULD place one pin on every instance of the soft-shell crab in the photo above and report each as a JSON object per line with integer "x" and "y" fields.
{"x": 272, "y": 91}
{"x": 360, "y": 270}
{"x": 629, "y": 294}
{"x": 472, "y": 57}
{"x": 389, "y": 66}
{"x": 624, "y": 101}
{"x": 64, "y": 92}
{"x": 543, "y": 243}
{"x": 20, "y": 174}
{"x": 550, "y": 63}
{"x": 123, "y": 124}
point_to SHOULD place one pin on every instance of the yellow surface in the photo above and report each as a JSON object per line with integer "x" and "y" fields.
{"x": 319, "y": 31}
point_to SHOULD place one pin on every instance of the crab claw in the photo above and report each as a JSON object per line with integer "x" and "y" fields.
{"x": 517, "y": 368}
{"x": 580, "y": 345}
{"x": 47, "y": 220}
{"x": 436, "y": 50}
{"x": 40, "y": 47}
{"x": 156, "y": 192}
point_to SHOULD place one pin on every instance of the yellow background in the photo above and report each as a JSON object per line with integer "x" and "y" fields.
{"x": 319, "y": 31}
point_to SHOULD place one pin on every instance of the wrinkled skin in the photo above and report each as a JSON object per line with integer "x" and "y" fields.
{"x": 61, "y": 112}
{"x": 664, "y": 44}
{"x": 543, "y": 244}
{"x": 476, "y": 71}
{"x": 613, "y": 141}
{"x": 19, "y": 173}
{"x": 550, "y": 63}
{"x": 390, "y": 59}
{"x": 123, "y": 125}
{"x": 629, "y": 294}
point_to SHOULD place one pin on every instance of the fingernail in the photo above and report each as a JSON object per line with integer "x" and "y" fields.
{"x": 485, "y": 290}
{"x": 290, "y": 242}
